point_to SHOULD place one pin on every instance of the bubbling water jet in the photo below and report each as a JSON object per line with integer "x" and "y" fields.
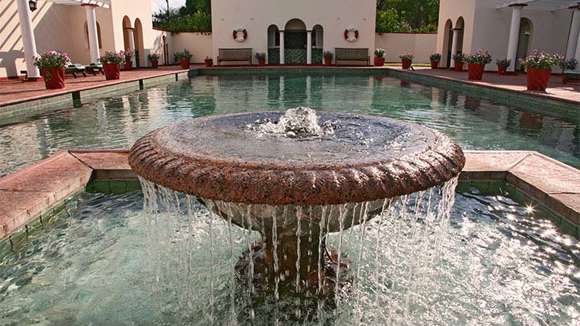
{"x": 295, "y": 179}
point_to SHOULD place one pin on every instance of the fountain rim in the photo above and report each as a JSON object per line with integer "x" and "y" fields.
{"x": 297, "y": 183}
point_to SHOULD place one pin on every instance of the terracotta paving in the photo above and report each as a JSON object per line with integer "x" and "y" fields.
{"x": 27, "y": 193}
{"x": 15, "y": 90}
{"x": 569, "y": 92}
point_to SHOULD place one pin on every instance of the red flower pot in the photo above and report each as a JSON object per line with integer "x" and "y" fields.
{"x": 475, "y": 71}
{"x": 379, "y": 61}
{"x": 501, "y": 70}
{"x": 184, "y": 63}
{"x": 434, "y": 64}
{"x": 112, "y": 71}
{"x": 327, "y": 61}
{"x": 406, "y": 63}
{"x": 154, "y": 63}
{"x": 458, "y": 66}
{"x": 53, "y": 77}
{"x": 538, "y": 79}
{"x": 128, "y": 64}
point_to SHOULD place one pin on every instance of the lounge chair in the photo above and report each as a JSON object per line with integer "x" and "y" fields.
{"x": 74, "y": 69}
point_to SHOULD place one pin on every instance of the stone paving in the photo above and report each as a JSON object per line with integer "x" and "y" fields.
{"x": 27, "y": 193}
{"x": 15, "y": 91}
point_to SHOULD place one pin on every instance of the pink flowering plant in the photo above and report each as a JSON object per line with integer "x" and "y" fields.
{"x": 541, "y": 60}
{"x": 481, "y": 57}
{"x": 113, "y": 58}
{"x": 52, "y": 59}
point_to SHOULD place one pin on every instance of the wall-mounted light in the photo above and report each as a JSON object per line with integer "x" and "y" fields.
{"x": 32, "y": 5}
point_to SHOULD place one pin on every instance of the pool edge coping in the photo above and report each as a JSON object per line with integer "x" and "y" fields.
{"x": 29, "y": 192}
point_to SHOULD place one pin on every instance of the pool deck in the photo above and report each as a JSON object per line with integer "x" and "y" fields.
{"x": 28, "y": 194}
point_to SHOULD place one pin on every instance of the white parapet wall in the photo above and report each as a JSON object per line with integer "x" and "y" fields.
{"x": 421, "y": 45}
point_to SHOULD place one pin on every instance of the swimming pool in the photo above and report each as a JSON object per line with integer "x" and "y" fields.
{"x": 118, "y": 121}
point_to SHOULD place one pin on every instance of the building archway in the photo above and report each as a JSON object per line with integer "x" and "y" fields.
{"x": 524, "y": 40}
{"x": 317, "y": 44}
{"x": 273, "y": 44}
{"x": 295, "y": 42}
{"x": 447, "y": 43}
{"x": 139, "y": 46}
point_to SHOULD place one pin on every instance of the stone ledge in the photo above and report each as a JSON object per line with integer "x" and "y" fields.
{"x": 27, "y": 193}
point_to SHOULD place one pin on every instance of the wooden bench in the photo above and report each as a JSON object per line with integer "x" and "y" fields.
{"x": 351, "y": 56}
{"x": 237, "y": 55}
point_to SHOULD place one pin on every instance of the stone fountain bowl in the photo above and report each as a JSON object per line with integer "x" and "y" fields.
{"x": 250, "y": 176}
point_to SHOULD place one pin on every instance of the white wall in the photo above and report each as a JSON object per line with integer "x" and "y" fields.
{"x": 257, "y": 15}
{"x": 421, "y": 45}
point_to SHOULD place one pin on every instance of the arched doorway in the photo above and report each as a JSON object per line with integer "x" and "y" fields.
{"x": 447, "y": 43}
{"x": 295, "y": 42}
{"x": 139, "y": 47}
{"x": 524, "y": 41}
{"x": 273, "y": 44}
{"x": 317, "y": 44}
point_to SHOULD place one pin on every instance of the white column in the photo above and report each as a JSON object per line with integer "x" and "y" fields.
{"x": 514, "y": 36}
{"x": 282, "y": 47}
{"x": 93, "y": 33}
{"x": 28, "y": 40}
{"x": 454, "y": 44}
{"x": 574, "y": 33}
{"x": 308, "y": 47}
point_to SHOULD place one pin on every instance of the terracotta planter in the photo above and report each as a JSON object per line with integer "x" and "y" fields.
{"x": 501, "y": 70}
{"x": 184, "y": 63}
{"x": 434, "y": 64}
{"x": 112, "y": 71}
{"x": 458, "y": 66}
{"x": 128, "y": 64}
{"x": 406, "y": 63}
{"x": 379, "y": 61}
{"x": 475, "y": 71}
{"x": 208, "y": 62}
{"x": 154, "y": 63}
{"x": 53, "y": 77}
{"x": 327, "y": 61}
{"x": 538, "y": 79}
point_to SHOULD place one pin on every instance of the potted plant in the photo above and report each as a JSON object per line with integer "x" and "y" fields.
{"x": 406, "y": 60}
{"x": 51, "y": 65}
{"x": 208, "y": 62}
{"x": 435, "y": 59}
{"x": 112, "y": 64}
{"x": 539, "y": 68}
{"x": 476, "y": 63}
{"x": 183, "y": 58}
{"x": 379, "y": 57}
{"x": 129, "y": 60}
{"x": 502, "y": 65}
{"x": 459, "y": 59}
{"x": 154, "y": 59}
{"x": 261, "y": 57}
{"x": 328, "y": 57}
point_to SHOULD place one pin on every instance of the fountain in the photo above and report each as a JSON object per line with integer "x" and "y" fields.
{"x": 295, "y": 178}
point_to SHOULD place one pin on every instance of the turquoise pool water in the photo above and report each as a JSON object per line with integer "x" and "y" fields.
{"x": 118, "y": 121}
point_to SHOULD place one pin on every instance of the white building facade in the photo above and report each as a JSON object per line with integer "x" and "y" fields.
{"x": 508, "y": 29}
{"x": 293, "y": 32}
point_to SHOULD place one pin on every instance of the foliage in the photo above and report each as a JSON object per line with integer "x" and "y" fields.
{"x": 380, "y": 52}
{"x": 435, "y": 57}
{"x": 52, "y": 59}
{"x": 480, "y": 56}
{"x": 541, "y": 60}
{"x": 459, "y": 57}
{"x": 153, "y": 57}
{"x": 407, "y": 16}
{"x": 408, "y": 57}
{"x": 113, "y": 58}
{"x": 182, "y": 55}
{"x": 503, "y": 62}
